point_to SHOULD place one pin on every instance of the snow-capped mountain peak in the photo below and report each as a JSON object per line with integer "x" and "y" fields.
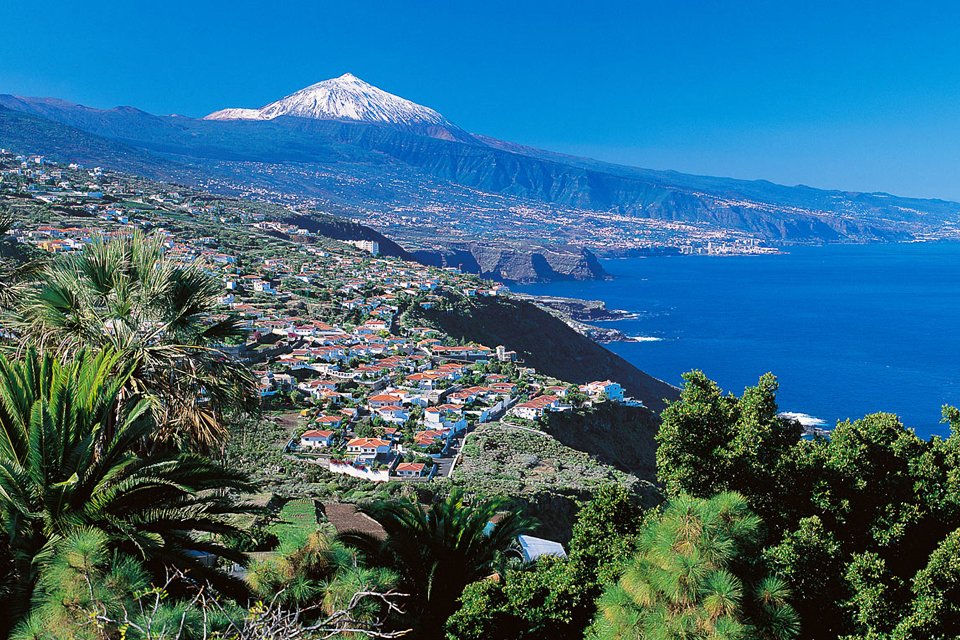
{"x": 344, "y": 98}
{"x": 234, "y": 114}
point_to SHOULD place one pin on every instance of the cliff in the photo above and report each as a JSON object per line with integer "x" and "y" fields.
{"x": 502, "y": 263}
{"x": 614, "y": 434}
{"x": 339, "y": 229}
{"x": 546, "y": 476}
{"x": 516, "y": 264}
{"x": 542, "y": 341}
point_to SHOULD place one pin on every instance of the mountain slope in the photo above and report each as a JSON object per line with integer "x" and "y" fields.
{"x": 30, "y": 133}
{"x": 409, "y": 171}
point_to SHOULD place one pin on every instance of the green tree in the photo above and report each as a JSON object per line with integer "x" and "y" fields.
{"x": 694, "y": 434}
{"x": 158, "y": 315}
{"x": 876, "y": 595}
{"x": 854, "y": 517}
{"x": 543, "y": 599}
{"x": 67, "y": 462}
{"x": 811, "y": 560}
{"x": 556, "y": 596}
{"x": 710, "y": 442}
{"x": 364, "y": 430}
{"x": 874, "y": 501}
{"x": 484, "y": 614}
{"x": 873, "y": 485}
{"x": 576, "y": 397}
{"x": 439, "y": 550}
{"x": 321, "y": 573}
{"x": 934, "y": 611}
{"x": 696, "y": 576}
{"x": 605, "y": 534}
{"x": 761, "y": 452}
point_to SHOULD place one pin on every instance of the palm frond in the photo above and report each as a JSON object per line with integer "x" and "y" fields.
{"x": 158, "y": 316}
{"x": 67, "y": 466}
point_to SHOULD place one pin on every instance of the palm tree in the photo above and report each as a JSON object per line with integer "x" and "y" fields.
{"x": 16, "y": 265}
{"x": 439, "y": 550}
{"x": 694, "y": 577}
{"x": 123, "y": 294}
{"x": 67, "y": 462}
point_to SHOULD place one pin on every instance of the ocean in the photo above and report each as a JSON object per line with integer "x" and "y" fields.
{"x": 847, "y": 329}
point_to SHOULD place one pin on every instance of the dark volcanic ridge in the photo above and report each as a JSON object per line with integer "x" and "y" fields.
{"x": 516, "y": 264}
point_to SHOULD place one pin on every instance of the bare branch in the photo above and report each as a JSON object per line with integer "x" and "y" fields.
{"x": 261, "y": 621}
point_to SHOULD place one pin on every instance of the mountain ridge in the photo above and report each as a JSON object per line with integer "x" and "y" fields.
{"x": 424, "y": 181}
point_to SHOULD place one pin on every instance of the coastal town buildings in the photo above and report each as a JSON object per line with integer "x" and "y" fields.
{"x": 324, "y": 322}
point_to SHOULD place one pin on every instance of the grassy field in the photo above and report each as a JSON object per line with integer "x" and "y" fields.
{"x": 298, "y": 519}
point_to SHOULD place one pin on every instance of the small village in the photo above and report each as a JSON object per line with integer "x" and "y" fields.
{"x": 325, "y": 331}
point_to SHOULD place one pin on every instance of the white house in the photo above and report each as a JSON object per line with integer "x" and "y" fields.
{"x": 383, "y": 400}
{"x": 412, "y": 470}
{"x": 533, "y": 409}
{"x": 445, "y": 413}
{"x": 368, "y": 446}
{"x": 316, "y": 438}
{"x": 330, "y": 422}
{"x": 393, "y": 413}
{"x": 263, "y": 286}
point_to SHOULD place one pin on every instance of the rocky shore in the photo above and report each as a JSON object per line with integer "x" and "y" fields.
{"x": 578, "y": 314}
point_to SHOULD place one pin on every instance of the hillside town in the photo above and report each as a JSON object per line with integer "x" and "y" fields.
{"x": 325, "y": 326}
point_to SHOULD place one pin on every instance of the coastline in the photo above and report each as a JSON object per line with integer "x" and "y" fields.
{"x": 580, "y": 315}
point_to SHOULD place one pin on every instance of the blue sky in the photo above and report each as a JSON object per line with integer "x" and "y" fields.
{"x": 854, "y": 95}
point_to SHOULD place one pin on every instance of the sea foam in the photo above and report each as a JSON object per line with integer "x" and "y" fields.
{"x": 805, "y": 419}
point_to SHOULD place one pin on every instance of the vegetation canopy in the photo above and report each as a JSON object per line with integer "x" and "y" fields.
{"x": 68, "y": 463}
{"x": 159, "y": 317}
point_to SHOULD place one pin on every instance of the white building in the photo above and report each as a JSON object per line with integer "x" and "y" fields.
{"x": 317, "y": 438}
{"x": 532, "y": 548}
{"x": 369, "y": 246}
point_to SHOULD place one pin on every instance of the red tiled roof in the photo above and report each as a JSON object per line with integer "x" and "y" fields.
{"x": 368, "y": 442}
{"x": 384, "y": 398}
{"x": 540, "y": 402}
{"x": 317, "y": 433}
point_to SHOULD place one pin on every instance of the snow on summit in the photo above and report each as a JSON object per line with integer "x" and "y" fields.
{"x": 344, "y": 98}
